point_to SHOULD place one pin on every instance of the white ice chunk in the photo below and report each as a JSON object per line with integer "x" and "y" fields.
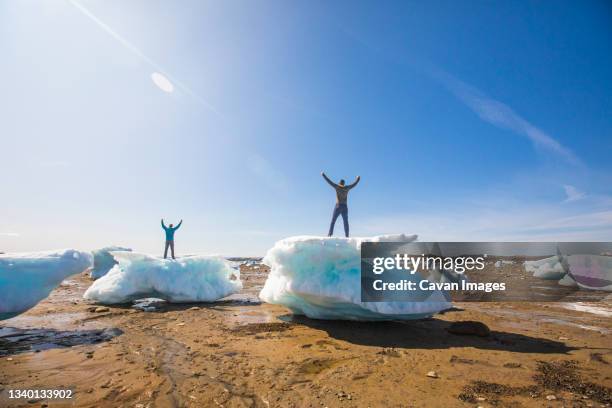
{"x": 591, "y": 271}
{"x": 568, "y": 281}
{"x": 103, "y": 261}
{"x": 320, "y": 277}
{"x": 547, "y": 268}
{"x": 27, "y": 278}
{"x": 187, "y": 279}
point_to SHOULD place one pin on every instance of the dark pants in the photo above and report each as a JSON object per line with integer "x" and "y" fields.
{"x": 171, "y": 245}
{"x": 340, "y": 209}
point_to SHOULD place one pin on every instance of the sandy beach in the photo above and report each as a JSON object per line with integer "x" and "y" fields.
{"x": 239, "y": 352}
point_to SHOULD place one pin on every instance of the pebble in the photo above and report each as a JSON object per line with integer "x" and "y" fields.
{"x": 551, "y": 397}
{"x": 194, "y": 308}
{"x": 101, "y": 309}
{"x": 9, "y": 359}
{"x": 433, "y": 374}
{"x": 469, "y": 328}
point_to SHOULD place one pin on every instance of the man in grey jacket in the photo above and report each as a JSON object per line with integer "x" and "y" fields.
{"x": 341, "y": 207}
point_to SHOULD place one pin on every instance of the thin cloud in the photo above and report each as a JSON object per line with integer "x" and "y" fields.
{"x": 482, "y": 223}
{"x": 501, "y": 115}
{"x": 85, "y": 11}
{"x": 488, "y": 109}
{"x": 572, "y": 193}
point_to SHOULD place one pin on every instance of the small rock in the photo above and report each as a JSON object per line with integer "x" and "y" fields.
{"x": 563, "y": 338}
{"x": 194, "y": 308}
{"x": 9, "y": 359}
{"x": 551, "y": 397}
{"x": 101, "y": 309}
{"x": 180, "y": 324}
{"x": 469, "y": 328}
{"x": 513, "y": 365}
{"x": 481, "y": 399}
{"x": 433, "y": 374}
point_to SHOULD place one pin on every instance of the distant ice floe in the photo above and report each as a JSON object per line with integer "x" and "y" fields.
{"x": 547, "y": 268}
{"x": 592, "y": 272}
{"x": 320, "y": 277}
{"x": 27, "y": 278}
{"x": 103, "y": 261}
{"x": 187, "y": 279}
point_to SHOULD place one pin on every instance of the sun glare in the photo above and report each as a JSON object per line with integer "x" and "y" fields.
{"x": 162, "y": 82}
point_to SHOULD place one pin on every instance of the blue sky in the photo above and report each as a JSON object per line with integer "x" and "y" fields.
{"x": 473, "y": 120}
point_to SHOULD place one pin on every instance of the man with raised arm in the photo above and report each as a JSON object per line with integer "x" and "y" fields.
{"x": 341, "y": 207}
{"x": 170, "y": 237}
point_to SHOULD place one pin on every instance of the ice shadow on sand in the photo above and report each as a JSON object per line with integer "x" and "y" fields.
{"x": 427, "y": 334}
{"x": 16, "y": 341}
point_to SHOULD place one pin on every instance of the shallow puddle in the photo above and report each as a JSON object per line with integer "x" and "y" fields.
{"x": 15, "y": 340}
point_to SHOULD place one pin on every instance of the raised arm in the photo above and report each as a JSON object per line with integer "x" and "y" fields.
{"x": 331, "y": 183}
{"x": 163, "y": 225}
{"x": 178, "y": 225}
{"x": 355, "y": 183}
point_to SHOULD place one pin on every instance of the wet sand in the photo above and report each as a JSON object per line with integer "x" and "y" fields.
{"x": 241, "y": 353}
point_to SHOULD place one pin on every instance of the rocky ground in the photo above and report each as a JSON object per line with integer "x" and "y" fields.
{"x": 241, "y": 353}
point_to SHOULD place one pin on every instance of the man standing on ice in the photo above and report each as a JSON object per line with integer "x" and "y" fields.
{"x": 170, "y": 237}
{"x": 341, "y": 207}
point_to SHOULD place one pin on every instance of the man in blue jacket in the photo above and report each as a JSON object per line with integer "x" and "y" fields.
{"x": 170, "y": 237}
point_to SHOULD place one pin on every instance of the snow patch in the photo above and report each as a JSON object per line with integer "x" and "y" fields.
{"x": 320, "y": 277}
{"x": 27, "y": 278}
{"x": 187, "y": 279}
{"x": 597, "y": 310}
